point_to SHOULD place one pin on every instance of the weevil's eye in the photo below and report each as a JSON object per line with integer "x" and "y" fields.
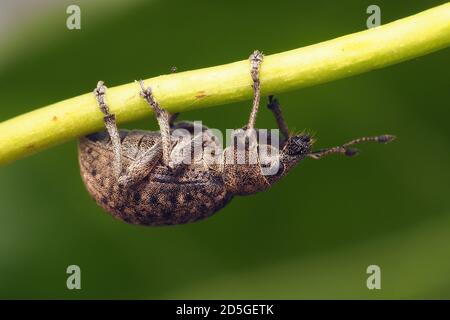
{"x": 298, "y": 145}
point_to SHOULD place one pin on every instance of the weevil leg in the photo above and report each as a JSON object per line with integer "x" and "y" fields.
{"x": 111, "y": 126}
{"x": 274, "y": 105}
{"x": 141, "y": 166}
{"x": 162, "y": 116}
{"x": 256, "y": 59}
{"x": 345, "y": 150}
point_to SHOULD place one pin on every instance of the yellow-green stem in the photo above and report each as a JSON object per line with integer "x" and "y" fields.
{"x": 356, "y": 53}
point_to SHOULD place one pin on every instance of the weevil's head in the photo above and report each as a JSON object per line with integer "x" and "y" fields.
{"x": 297, "y": 147}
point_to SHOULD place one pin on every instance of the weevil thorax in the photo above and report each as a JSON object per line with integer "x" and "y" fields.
{"x": 241, "y": 164}
{"x": 242, "y": 176}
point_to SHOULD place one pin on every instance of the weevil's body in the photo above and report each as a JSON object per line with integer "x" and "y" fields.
{"x": 164, "y": 196}
{"x": 131, "y": 174}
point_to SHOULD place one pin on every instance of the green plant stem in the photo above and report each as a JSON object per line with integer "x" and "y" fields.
{"x": 353, "y": 54}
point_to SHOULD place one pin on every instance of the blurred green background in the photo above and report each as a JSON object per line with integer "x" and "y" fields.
{"x": 311, "y": 236}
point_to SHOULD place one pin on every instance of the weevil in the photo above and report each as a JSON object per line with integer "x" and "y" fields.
{"x": 132, "y": 176}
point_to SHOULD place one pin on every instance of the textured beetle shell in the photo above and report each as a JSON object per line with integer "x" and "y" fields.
{"x": 164, "y": 197}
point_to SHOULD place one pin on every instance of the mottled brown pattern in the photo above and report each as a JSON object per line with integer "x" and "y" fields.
{"x": 163, "y": 197}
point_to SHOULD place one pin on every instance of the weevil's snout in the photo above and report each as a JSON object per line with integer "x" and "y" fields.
{"x": 298, "y": 145}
